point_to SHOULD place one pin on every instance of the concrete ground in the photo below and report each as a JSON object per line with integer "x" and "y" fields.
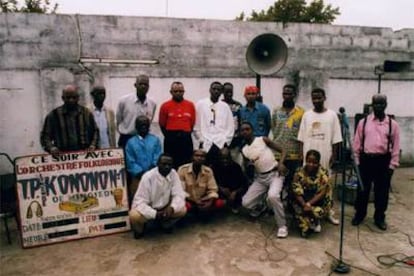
{"x": 229, "y": 245}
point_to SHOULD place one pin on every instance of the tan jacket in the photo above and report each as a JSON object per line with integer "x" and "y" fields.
{"x": 110, "y": 118}
{"x": 199, "y": 187}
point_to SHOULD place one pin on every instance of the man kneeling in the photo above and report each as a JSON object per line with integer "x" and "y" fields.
{"x": 159, "y": 197}
{"x": 200, "y": 187}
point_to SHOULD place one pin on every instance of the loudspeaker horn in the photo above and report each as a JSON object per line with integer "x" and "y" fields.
{"x": 266, "y": 54}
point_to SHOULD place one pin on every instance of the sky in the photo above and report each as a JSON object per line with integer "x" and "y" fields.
{"x": 396, "y": 14}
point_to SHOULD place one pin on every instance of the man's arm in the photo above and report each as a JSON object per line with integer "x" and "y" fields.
{"x": 268, "y": 121}
{"x": 46, "y": 135}
{"x": 177, "y": 194}
{"x": 212, "y": 188}
{"x": 142, "y": 199}
{"x": 162, "y": 118}
{"x": 94, "y": 129}
{"x": 356, "y": 145}
{"x": 395, "y": 149}
{"x": 229, "y": 132}
{"x": 119, "y": 114}
{"x": 131, "y": 160}
{"x": 276, "y": 147}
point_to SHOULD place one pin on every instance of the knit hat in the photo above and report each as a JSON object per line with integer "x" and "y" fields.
{"x": 250, "y": 89}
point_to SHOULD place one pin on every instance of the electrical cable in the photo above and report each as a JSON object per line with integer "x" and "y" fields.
{"x": 390, "y": 260}
{"x": 267, "y": 237}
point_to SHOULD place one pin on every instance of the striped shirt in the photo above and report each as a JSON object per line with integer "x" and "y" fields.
{"x": 69, "y": 130}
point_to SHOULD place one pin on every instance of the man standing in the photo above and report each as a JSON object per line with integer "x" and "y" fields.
{"x": 377, "y": 148}
{"x": 177, "y": 119}
{"x": 255, "y": 112}
{"x": 69, "y": 127}
{"x": 131, "y": 106}
{"x": 141, "y": 153}
{"x": 201, "y": 187}
{"x": 268, "y": 179}
{"x": 320, "y": 130}
{"x": 160, "y": 197}
{"x": 235, "y": 110}
{"x": 285, "y": 127}
{"x": 214, "y": 127}
{"x": 104, "y": 118}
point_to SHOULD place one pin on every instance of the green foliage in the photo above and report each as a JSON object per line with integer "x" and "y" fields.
{"x": 35, "y": 6}
{"x": 295, "y": 11}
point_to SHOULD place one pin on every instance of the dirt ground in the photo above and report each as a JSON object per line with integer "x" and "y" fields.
{"x": 229, "y": 245}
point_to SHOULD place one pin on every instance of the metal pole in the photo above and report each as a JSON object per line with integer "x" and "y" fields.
{"x": 379, "y": 83}
{"x": 258, "y": 85}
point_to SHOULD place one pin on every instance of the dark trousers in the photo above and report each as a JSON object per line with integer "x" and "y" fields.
{"x": 374, "y": 169}
{"x": 179, "y": 145}
{"x": 291, "y": 166}
{"x": 123, "y": 139}
{"x": 213, "y": 156}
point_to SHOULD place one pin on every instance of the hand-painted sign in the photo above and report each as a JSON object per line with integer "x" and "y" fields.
{"x": 71, "y": 196}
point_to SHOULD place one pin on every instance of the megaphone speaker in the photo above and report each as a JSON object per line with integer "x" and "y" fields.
{"x": 266, "y": 54}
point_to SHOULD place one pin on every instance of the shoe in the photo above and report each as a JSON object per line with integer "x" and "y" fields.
{"x": 305, "y": 234}
{"x": 282, "y": 232}
{"x": 356, "y": 220}
{"x": 138, "y": 235}
{"x": 332, "y": 219}
{"x": 235, "y": 210}
{"x": 317, "y": 228}
{"x": 381, "y": 225}
{"x": 168, "y": 230}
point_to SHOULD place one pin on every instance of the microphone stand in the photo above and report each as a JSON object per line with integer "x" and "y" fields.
{"x": 342, "y": 267}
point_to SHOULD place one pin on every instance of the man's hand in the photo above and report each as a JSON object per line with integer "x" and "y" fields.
{"x": 390, "y": 172}
{"x": 169, "y": 211}
{"x": 232, "y": 196}
{"x": 165, "y": 213}
{"x": 307, "y": 207}
{"x": 225, "y": 192}
{"x": 282, "y": 169}
{"x": 206, "y": 204}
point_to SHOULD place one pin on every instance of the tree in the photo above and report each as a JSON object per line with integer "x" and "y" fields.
{"x": 295, "y": 11}
{"x": 35, "y": 6}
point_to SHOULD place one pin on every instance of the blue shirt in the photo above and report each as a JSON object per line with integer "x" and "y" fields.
{"x": 142, "y": 154}
{"x": 259, "y": 117}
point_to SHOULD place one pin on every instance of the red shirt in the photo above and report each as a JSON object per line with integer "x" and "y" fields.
{"x": 177, "y": 115}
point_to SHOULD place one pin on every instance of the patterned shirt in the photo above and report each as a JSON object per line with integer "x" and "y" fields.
{"x": 69, "y": 130}
{"x": 285, "y": 128}
{"x": 308, "y": 186}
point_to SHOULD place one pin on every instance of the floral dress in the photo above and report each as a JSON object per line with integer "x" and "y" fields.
{"x": 307, "y": 187}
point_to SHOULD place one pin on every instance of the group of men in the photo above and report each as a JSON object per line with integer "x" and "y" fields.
{"x": 202, "y": 177}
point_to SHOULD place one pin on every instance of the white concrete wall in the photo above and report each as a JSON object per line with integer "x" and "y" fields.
{"x": 39, "y": 54}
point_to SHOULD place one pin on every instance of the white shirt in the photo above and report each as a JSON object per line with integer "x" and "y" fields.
{"x": 129, "y": 108}
{"x": 214, "y": 123}
{"x": 100, "y": 119}
{"x": 156, "y": 192}
{"x": 319, "y": 131}
{"x": 260, "y": 154}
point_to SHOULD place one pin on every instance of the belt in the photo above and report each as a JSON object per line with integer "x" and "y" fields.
{"x": 272, "y": 170}
{"x": 374, "y": 155}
